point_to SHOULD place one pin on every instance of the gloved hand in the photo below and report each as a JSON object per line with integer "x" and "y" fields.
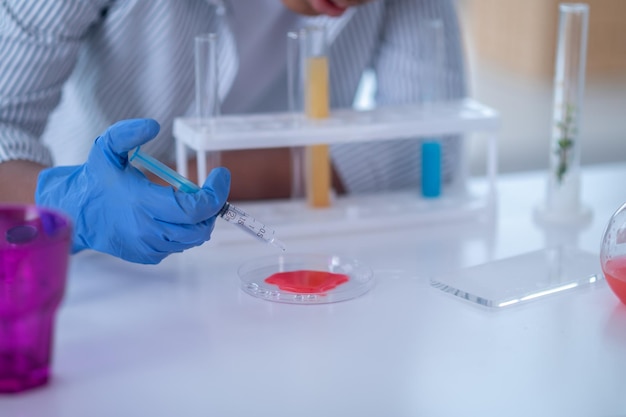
{"x": 117, "y": 210}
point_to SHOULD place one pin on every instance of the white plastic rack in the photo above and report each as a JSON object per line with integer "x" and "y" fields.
{"x": 353, "y": 212}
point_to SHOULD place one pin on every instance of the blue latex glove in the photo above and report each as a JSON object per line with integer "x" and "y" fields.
{"x": 117, "y": 210}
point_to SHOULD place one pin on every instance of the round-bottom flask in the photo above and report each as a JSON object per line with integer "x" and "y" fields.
{"x": 613, "y": 253}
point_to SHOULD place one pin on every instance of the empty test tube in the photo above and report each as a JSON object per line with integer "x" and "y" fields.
{"x": 295, "y": 102}
{"x": 207, "y": 81}
{"x": 208, "y": 105}
{"x": 232, "y": 214}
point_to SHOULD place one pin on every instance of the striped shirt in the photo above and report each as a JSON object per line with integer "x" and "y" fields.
{"x": 71, "y": 68}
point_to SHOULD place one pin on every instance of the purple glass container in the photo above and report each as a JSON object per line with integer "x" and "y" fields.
{"x": 34, "y": 255}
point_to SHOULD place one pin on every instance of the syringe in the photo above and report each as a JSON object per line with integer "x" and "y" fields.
{"x": 232, "y": 214}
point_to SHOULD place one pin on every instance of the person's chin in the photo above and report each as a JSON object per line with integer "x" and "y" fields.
{"x": 327, "y": 7}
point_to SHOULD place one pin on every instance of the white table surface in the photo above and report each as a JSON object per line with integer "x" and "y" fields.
{"x": 182, "y": 339}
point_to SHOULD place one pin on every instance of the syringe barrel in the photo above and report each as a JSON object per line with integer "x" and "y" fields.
{"x": 247, "y": 223}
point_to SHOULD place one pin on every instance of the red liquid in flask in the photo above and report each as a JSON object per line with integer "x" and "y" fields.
{"x": 615, "y": 274}
{"x": 307, "y": 282}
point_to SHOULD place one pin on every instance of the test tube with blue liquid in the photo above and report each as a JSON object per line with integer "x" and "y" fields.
{"x": 433, "y": 50}
{"x": 232, "y": 214}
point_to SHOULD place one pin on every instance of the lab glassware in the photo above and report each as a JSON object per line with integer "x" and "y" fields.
{"x": 34, "y": 256}
{"x": 316, "y": 106}
{"x": 207, "y": 88}
{"x": 229, "y": 212}
{"x": 308, "y": 97}
{"x": 206, "y": 72}
{"x": 315, "y": 60}
{"x": 522, "y": 278}
{"x": 295, "y": 81}
{"x": 563, "y": 190}
{"x": 309, "y": 272}
{"x": 431, "y": 54}
{"x": 613, "y": 253}
{"x": 295, "y": 102}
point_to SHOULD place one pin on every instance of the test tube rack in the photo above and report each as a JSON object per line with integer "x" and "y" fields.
{"x": 352, "y": 212}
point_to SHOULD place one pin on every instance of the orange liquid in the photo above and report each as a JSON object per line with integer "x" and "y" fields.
{"x": 317, "y": 156}
{"x": 307, "y": 282}
{"x": 319, "y": 177}
{"x": 615, "y": 274}
{"x": 317, "y": 102}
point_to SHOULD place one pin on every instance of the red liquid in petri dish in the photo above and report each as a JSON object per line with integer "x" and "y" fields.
{"x": 307, "y": 282}
{"x": 615, "y": 274}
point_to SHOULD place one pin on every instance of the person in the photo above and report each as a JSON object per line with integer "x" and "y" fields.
{"x": 69, "y": 71}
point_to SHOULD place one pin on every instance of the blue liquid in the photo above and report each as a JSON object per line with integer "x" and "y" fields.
{"x": 431, "y": 169}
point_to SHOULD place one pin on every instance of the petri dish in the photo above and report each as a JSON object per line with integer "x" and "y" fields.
{"x": 356, "y": 280}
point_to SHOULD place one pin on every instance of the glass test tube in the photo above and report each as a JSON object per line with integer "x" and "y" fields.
{"x": 294, "y": 77}
{"x": 432, "y": 46}
{"x": 432, "y": 69}
{"x": 314, "y": 50}
{"x": 295, "y": 101}
{"x": 207, "y": 92}
{"x": 563, "y": 194}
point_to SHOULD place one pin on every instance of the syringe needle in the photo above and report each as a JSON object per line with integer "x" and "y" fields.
{"x": 229, "y": 212}
{"x": 279, "y": 244}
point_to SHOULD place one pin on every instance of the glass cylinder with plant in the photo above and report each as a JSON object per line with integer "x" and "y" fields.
{"x": 563, "y": 194}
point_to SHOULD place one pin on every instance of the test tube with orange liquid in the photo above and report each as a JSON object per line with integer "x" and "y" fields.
{"x": 309, "y": 84}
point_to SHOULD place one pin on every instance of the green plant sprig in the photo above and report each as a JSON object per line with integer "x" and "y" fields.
{"x": 565, "y": 143}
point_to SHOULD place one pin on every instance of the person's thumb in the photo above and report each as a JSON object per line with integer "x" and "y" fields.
{"x": 218, "y": 186}
{"x": 126, "y": 135}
